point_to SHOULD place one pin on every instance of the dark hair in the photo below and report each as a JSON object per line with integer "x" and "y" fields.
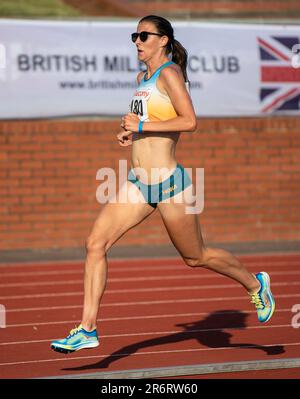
{"x": 179, "y": 53}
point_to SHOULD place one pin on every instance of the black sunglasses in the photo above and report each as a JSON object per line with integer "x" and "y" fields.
{"x": 143, "y": 36}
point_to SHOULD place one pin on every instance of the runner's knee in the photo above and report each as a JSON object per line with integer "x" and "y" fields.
{"x": 96, "y": 246}
{"x": 196, "y": 261}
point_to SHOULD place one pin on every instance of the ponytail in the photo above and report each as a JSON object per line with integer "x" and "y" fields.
{"x": 179, "y": 56}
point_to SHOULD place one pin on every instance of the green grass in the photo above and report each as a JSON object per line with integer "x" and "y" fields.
{"x": 36, "y": 8}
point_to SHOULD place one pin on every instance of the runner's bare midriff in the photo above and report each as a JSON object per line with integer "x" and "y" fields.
{"x": 154, "y": 150}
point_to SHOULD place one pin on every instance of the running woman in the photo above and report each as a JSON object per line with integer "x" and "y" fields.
{"x": 161, "y": 109}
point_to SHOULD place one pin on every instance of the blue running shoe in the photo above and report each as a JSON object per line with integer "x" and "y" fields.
{"x": 78, "y": 339}
{"x": 263, "y": 299}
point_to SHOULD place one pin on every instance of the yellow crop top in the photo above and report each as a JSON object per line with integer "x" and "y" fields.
{"x": 149, "y": 103}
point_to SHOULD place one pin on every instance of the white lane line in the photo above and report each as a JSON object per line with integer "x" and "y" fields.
{"x": 203, "y": 276}
{"x": 47, "y": 295}
{"x": 147, "y": 303}
{"x": 175, "y": 261}
{"x": 38, "y": 274}
{"x": 138, "y": 334}
{"x": 118, "y": 280}
{"x": 141, "y": 268}
{"x": 143, "y": 317}
{"x": 110, "y": 280}
{"x": 60, "y": 294}
{"x": 81, "y": 272}
{"x": 120, "y": 260}
{"x": 145, "y": 290}
{"x": 146, "y": 353}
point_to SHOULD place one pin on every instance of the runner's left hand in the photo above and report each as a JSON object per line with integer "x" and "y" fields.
{"x": 124, "y": 138}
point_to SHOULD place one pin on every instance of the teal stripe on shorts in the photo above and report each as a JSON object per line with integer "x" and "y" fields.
{"x": 178, "y": 181}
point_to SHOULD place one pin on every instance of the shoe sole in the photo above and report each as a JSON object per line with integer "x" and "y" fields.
{"x": 66, "y": 350}
{"x": 270, "y": 295}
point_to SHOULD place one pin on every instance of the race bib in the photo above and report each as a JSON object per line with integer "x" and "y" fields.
{"x": 138, "y": 104}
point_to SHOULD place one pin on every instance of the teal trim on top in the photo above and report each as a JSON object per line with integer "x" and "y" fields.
{"x": 157, "y": 72}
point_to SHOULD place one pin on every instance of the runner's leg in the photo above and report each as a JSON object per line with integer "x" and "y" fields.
{"x": 114, "y": 220}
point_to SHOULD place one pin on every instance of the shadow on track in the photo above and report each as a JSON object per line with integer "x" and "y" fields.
{"x": 208, "y": 332}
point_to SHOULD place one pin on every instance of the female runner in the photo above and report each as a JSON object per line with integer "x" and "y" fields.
{"x": 160, "y": 110}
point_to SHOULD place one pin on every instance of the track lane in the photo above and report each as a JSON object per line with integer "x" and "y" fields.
{"x": 191, "y": 304}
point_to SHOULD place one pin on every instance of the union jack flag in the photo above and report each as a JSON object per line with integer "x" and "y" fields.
{"x": 280, "y": 81}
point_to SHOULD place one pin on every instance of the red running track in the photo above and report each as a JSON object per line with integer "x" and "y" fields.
{"x": 154, "y": 313}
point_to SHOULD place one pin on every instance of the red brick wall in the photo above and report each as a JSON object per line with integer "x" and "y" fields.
{"x": 199, "y": 8}
{"x": 48, "y": 180}
{"x": 220, "y": 6}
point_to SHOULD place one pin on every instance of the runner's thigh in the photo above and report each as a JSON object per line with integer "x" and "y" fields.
{"x": 118, "y": 216}
{"x": 183, "y": 228}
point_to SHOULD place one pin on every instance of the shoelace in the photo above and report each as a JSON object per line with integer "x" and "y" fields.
{"x": 256, "y": 299}
{"x": 74, "y": 331}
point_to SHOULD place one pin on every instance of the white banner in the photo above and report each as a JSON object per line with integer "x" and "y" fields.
{"x": 55, "y": 68}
